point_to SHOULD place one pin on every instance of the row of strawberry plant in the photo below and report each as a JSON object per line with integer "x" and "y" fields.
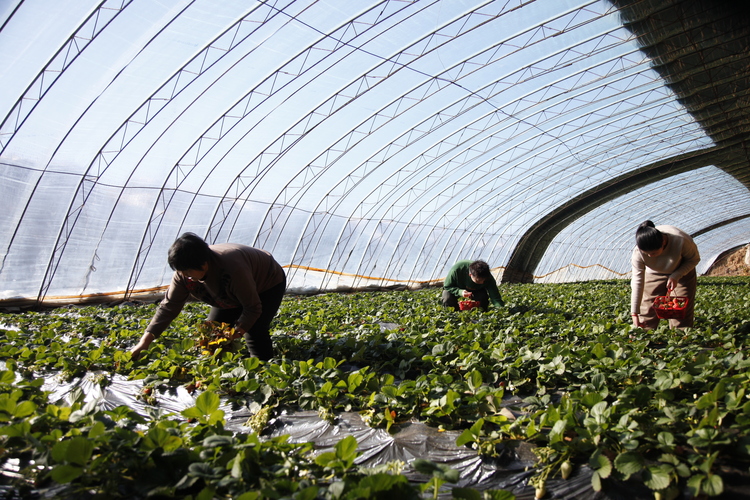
{"x": 79, "y": 451}
{"x": 663, "y": 407}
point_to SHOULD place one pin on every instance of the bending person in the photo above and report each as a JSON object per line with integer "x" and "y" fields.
{"x": 471, "y": 280}
{"x": 244, "y": 285}
{"x": 663, "y": 259}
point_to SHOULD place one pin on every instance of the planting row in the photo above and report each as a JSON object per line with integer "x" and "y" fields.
{"x": 664, "y": 408}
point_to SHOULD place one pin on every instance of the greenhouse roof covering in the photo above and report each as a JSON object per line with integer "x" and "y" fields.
{"x": 365, "y": 142}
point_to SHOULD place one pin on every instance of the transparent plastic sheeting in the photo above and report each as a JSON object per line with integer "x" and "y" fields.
{"x": 715, "y": 243}
{"x": 360, "y": 142}
{"x": 510, "y": 471}
{"x": 599, "y": 244}
{"x": 377, "y": 447}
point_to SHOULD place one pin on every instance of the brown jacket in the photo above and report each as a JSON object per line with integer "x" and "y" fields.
{"x": 236, "y": 275}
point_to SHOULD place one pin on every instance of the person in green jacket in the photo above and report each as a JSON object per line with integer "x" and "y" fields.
{"x": 471, "y": 280}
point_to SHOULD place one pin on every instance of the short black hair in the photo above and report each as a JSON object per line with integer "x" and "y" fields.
{"x": 480, "y": 269}
{"x": 648, "y": 238}
{"x": 189, "y": 251}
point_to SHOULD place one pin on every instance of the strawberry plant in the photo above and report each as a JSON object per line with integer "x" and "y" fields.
{"x": 559, "y": 367}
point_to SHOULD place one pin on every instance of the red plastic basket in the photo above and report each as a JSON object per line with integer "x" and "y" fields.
{"x": 667, "y": 307}
{"x": 465, "y": 305}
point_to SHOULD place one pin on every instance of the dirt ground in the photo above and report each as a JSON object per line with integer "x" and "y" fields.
{"x": 730, "y": 263}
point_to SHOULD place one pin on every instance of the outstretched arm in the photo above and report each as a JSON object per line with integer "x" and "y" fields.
{"x": 142, "y": 345}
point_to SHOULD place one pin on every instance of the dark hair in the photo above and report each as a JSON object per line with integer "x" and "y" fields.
{"x": 480, "y": 269}
{"x": 189, "y": 251}
{"x": 648, "y": 238}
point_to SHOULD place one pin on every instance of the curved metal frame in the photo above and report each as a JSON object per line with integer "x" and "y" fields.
{"x": 130, "y": 129}
{"x": 413, "y": 205}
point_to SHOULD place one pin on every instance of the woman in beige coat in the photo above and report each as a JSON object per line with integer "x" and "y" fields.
{"x": 663, "y": 259}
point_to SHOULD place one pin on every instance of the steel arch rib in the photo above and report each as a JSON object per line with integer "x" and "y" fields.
{"x": 103, "y": 156}
{"x": 16, "y": 126}
{"x": 308, "y": 122}
{"x": 271, "y": 78}
{"x": 59, "y": 248}
{"x": 527, "y": 175}
{"x": 205, "y": 137}
{"x": 458, "y": 64}
{"x": 176, "y": 75}
{"x": 214, "y": 224}
{"x": 493, "y": 193}
{"x": 367, "y": 127}
{"x": 10, "y": 16}
{"x": 490, "y": 192}
{"x": 54, "y": 75}
{"x": 557, "y": 138}
{"x": 195, "y": 149}
{"x": 619, "y": 220}
{"x": 667, "y": 169}
{"x": 548, "y": 225}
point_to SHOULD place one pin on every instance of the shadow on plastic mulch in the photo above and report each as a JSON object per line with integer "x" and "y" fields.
{"x": 510, "y": 471}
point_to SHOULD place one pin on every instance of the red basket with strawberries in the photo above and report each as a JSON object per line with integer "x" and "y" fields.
{"x": 465, "y": 305}
{"x": 667, "y": 307}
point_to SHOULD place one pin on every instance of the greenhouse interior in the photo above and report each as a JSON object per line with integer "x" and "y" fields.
{"x": 368, "y": 146}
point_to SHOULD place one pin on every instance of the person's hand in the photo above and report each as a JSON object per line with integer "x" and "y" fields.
{"x": 142, "y": 345}
{"x": 467, "y": 294}
{"x": 238, "y": 333}
{"x": 671, "y": 284}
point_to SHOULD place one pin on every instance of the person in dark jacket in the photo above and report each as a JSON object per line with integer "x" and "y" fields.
{"x": 244, "y": 286}
{"x": 471, "y": 280}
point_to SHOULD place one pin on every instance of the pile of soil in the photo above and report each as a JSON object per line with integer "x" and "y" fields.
{"x": 731, "y": 263}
